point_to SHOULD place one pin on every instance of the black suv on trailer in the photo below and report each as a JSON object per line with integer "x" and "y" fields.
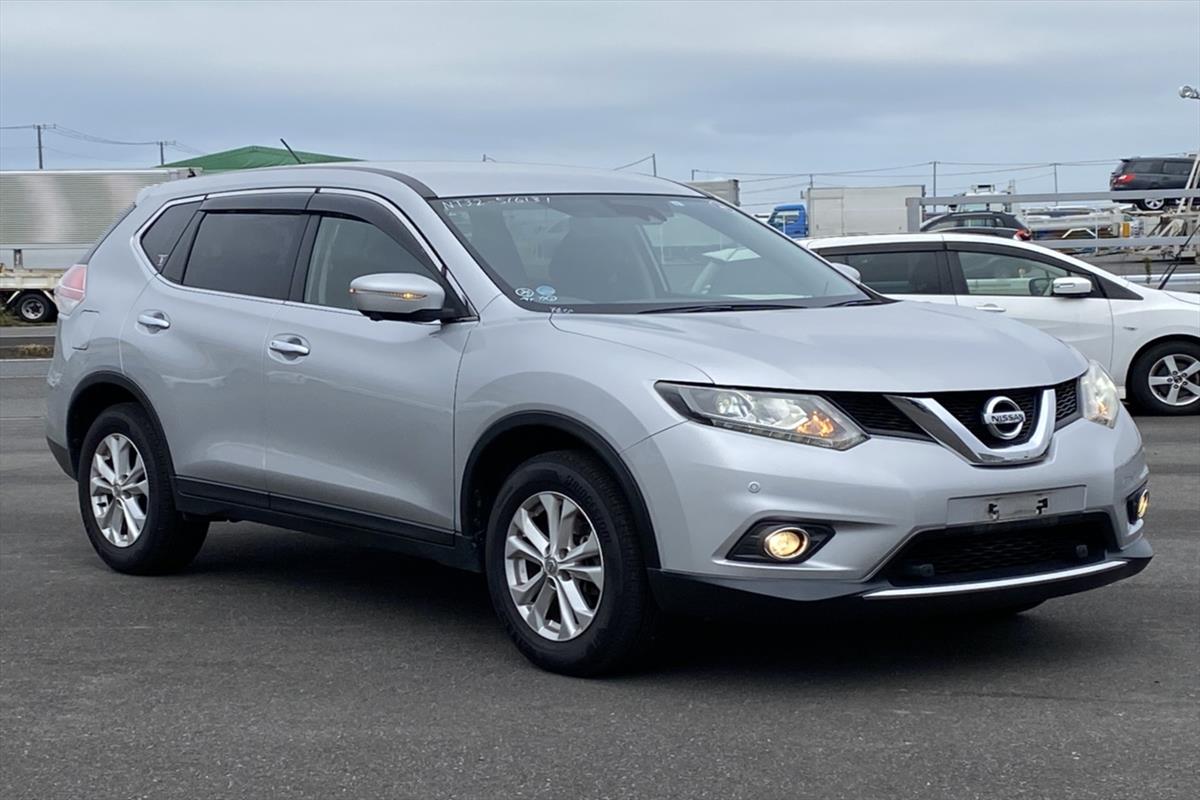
{"x": 1151, "y": 173}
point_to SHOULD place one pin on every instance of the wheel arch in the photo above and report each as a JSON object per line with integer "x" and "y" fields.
{"x": 518, "y": 437}
{"x": 1155, "y": 342}
{"x": 95, "y": 393}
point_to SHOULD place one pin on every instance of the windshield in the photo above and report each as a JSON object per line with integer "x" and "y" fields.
{"x": 639, "y": 253}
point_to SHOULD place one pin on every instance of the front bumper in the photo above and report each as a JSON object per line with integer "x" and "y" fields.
{"x": 705, "y": 487}
{"x": 741, "y": 597}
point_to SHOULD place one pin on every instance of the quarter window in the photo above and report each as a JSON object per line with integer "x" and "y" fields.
{"x": 346, "y": 249}
{"x": 1144, "y": 166}
{"x": 897, "y": 272}
{"x": 245, "y": 253}
{"x": 1000, "y": 274}
{"x": 161, "y": 237}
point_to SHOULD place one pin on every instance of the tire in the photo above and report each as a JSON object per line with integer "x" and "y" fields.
{"x": 1156, "y": 204}
{"x": 167, "y": 541}
{"x": 34, "y": 307}
{"x": 624, "y": 613}
{"x": 1151, "y": 379}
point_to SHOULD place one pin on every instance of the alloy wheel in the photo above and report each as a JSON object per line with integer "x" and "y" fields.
{"x": 119, "y": 490}
{"x": 1175, "y": 379}
{"x": 554, "y": 566}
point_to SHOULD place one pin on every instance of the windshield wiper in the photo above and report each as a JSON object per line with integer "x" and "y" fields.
{"x": 700, "y": 308}
{"x": 865, "y": 301}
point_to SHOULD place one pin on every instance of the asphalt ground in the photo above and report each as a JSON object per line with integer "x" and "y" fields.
{"x": 286, "y": 665}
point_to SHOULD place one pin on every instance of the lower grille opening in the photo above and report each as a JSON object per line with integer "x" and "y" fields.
{"x": 984, "y": 552}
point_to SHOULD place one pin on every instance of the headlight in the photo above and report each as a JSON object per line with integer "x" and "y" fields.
{"x": 1100, "y": 399}
{"x": 803, "y": 418}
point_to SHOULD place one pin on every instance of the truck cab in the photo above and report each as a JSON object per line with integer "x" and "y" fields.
{"x": 791, "y": 218}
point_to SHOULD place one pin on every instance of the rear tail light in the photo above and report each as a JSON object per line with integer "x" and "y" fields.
{"x": 1123, "y": 178}
{"x": 71, "y": 288}
{"x": 1023, "y": 234}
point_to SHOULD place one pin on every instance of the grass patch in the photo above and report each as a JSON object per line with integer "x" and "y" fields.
{"x": 27, "y": 351}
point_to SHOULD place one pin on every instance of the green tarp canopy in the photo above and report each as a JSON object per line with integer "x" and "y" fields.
{"x": 253, "y": 157}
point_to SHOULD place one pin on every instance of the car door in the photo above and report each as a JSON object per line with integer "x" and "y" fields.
{"x": 1016, "y": 282}
{"x": 904, "y": 271}
{"x": 195, "y": 336}
{"x": 360, "y": 413}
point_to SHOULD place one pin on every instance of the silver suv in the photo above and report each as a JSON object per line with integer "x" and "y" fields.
{"x": 612, "y": 394}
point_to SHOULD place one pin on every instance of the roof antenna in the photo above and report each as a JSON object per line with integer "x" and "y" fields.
{"x": 290, "y": 150}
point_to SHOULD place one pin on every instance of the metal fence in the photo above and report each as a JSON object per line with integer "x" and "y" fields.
{"x": 916, "y": 204}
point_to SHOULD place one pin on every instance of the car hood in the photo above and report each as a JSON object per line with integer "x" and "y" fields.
{"x": 904, "y": 347}
{"x": 1190, "y": 299}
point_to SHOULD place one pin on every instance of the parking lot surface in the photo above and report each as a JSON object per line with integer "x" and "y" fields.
{"x": 286, "y": 665}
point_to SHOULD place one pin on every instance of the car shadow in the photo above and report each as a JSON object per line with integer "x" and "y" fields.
{"x": 397, "y": 593}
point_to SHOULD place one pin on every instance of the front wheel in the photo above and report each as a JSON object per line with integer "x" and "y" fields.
{"x": 1166, "y": 379}
{"x": 126, "y": 500}
{"x": 564, "y": 569}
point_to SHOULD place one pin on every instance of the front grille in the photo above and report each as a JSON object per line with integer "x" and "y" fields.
{"x": 1066, "y": 396}
{"x": 982, "y": 552}
{"x": 967, "y": 408}
{"x": 877, "y": 415}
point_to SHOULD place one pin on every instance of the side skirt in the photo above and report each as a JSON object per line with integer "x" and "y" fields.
{"x": 219, "y": 501}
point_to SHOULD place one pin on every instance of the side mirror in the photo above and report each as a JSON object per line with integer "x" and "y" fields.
{"x": 1071, "y": 287}
{"x": 399, "y": 296}
{"x": 847, "y": 270}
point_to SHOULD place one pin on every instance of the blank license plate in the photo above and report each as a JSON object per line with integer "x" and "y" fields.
{"x": 1016, "y": 505}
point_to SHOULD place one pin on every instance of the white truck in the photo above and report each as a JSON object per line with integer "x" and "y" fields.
{"x": 859, "y": 210}
{"x": 726, "y": 189}
{"x": 49, "y": 219}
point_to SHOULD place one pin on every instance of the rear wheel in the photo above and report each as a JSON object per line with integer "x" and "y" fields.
{"x": 1166, "y": 379}
{"x": 126, "y": 500}
{"x": 564, "y": 569}
{"x": 1154, "y": 204}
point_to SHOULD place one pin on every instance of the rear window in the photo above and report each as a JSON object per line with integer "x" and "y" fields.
{"x": 245, "y": 253}
{"x": 161, "y": 237}
{"x": 896, "y": 272}
{"x": 1177, "y": 167}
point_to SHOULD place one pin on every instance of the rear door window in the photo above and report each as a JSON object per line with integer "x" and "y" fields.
{"x": 1177, "y": 167}
{"x": 245, "y": 253}
{"x": 911, "y": 272}
{"x": 163, "y": 234}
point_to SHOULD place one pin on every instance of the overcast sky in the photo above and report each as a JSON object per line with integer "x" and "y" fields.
{"x": 731, "y": 87}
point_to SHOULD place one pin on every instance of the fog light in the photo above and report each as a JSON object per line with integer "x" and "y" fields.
{"x": 786, "y": 544}
{"x": 1138, "y": 504}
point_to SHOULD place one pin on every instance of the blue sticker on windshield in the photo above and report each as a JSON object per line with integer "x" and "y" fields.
{"x": 545, "y": 291}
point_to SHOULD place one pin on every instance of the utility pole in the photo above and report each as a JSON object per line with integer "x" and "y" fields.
{"x": 693, "y": 176}
{"x": 39, "y": 145}
{"x": 654, "y": 164}
{"x": 161, "y": 159}
{"x": 1055, "y": 165}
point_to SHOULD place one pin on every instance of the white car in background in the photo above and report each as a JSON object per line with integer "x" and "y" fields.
{"x": 1148, "y": 340}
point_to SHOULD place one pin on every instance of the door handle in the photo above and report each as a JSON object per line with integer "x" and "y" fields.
{"x": 291, "y": 346}
{"x": 154, "y": 319}
{"x": 992, "y": 307}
